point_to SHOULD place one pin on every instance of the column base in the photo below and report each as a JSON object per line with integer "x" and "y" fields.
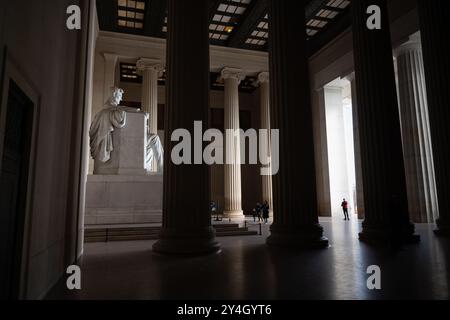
{"x": 300, "y": 237}
{"x": 239, "y": 214}
{"x": 443, "y": 228}
{"x": 187, "y": 242}
{"x": 385, "y": 235}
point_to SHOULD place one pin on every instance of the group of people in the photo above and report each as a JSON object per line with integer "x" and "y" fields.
{"x": 261, "y": 212}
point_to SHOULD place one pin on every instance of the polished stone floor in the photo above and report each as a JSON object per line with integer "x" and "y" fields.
{"x": 248, "y": 269}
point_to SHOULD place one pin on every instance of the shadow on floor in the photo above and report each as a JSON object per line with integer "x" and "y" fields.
{"x": 248, "y": 269}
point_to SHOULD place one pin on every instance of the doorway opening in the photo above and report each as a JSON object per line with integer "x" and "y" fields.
{"x": 14, "y": 173}
{"x": 341, "y": 151}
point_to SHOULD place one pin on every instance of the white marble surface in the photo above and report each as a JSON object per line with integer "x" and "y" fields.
{"x": 118, "y": 199}
{"x": 128, "y": 156}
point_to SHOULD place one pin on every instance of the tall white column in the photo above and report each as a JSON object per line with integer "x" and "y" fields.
{"x": 337, "y": 149}
{"x": 110, "y": 74}
{"x": 321, "y": 152}
{"x": 357, "y": 148}
{"x": 150, "y": 70}
{"x": 264, "y": 88}
{"x": 417, "y": 148}
{"x": 232, "y": 167}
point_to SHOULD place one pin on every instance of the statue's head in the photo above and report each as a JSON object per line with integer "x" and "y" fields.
{"x": 116, "y": 96}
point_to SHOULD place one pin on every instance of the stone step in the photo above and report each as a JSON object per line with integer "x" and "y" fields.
{"x": 111, "y": 234}
{"x": 121, "y": 238}
{"x": 237, "y": 233}
{"x": 151, "y": 233}
{"x": 226, "y": 226}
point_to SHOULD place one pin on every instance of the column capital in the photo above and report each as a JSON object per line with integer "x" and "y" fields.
{"x": 144, "y": 64}
{"x": 351, "y": 77}
{"x": 413, "y": 44}
{"x": 263, "y": 77}
{"x": 232, "y": 73}
{"x": 110, "y": 57}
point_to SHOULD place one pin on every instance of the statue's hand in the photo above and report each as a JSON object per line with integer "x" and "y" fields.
{"x": 130, "y": 110}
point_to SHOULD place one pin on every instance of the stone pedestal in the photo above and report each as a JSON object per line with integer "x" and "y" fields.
{"x": 128, "y": 156}
{"x": 385, "y": 198}
{"x": 123, "y": 199}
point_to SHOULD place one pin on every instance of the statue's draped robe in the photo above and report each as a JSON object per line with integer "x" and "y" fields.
{"x": 105, "y": 122}
{"x": 154, "y": 150}
{"x": 101, "y": 142}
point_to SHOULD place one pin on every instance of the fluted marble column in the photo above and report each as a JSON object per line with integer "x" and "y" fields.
{"x": 232, "y": 167}
{"x": 296, "y": 222}
{"x": 357, "y": 148}
{"x": 264, "y": 89}
{"x": 385, "y": 198}
{"x": 436, "y": 56}
{"x": 150, "y": 70}
{"x": 420, "y": 181}
{"x": 186, "y": 217}
{"x": 109, "y": 74}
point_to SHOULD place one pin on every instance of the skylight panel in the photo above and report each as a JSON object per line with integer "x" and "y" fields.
{"x": 131, "y": 14}
{"x": 227, "y": 18}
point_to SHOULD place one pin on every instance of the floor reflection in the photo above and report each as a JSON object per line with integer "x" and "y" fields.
{"x": 248, "y": 269}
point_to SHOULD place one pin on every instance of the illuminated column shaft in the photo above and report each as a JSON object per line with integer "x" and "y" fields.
{"x": 264, "y": 88}
{"x": 416, "y": 135}
{"x": 150, "y": 71}
{"x": 232, "y": 167}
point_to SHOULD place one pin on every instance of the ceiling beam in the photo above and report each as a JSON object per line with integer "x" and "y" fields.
{"x": 313, "y": 7}
{"x": 340, "y": 10}
{"x": 257, "y": 9}
{"x": 331, "y": 31}
{"x": 213, "y": 6}
{"x": 154, "y": 17}
{"x": 252, "y": 16}
{"x": 107, "y": 12}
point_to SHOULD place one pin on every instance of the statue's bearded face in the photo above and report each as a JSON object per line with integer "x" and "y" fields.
{"x": 117, "y": 97}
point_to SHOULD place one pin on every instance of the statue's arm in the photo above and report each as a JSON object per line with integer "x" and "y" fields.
{"x": 130, "y": 110}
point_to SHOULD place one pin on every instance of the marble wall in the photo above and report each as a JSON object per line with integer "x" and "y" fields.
{"x": 47, "y": 55}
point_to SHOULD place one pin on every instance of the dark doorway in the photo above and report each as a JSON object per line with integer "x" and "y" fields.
{"x": 14, "y": 188}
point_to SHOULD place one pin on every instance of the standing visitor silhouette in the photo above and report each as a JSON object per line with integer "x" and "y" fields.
{"x": 344, "y": 206}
